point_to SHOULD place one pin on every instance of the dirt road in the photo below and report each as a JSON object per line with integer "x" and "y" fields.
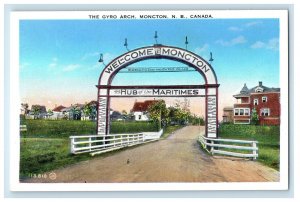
{"x": 175, "y": 159}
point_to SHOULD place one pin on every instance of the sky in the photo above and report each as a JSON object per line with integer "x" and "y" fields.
{"x": 59, "y": 58}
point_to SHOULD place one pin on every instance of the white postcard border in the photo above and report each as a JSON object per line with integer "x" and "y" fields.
{"x": 14, "y": 139}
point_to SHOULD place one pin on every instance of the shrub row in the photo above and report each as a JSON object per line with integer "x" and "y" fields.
{"x": 248, "y": 130}
{"x": 66, "y": 128}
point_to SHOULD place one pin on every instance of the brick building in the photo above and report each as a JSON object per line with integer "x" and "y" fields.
{"x": 227, "y": 115}
{"x": 265, "y": 100}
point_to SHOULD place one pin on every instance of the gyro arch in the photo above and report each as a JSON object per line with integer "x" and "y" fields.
{"x": 209, "y": 89}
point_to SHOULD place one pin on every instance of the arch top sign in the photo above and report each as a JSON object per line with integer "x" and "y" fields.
{"x": 156, "y": 52}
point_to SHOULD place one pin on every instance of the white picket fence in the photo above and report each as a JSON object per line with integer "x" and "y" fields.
{"x": 97, "y": 144}
{"x": 214, "y": 146}
{"x": 23, "y": 128}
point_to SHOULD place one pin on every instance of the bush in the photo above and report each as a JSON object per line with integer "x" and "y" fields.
{"x": 239, "y": 129}
{"x": 133, "y": 127}
{"x": 66, "y": 128}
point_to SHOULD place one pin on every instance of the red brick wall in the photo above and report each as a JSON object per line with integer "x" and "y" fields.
{"x": 269, "y": 121}
{"x": 245, "y": 100}
{"x": 272, "y": 103}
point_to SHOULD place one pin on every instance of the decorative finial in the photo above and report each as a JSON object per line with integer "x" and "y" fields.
{"x": 101, "y": 59}
{"x": 186, "y": 42}
{"x": 211, "y": 58}
{"x": 126, "y": 44}
{"x": 155, "y": 37}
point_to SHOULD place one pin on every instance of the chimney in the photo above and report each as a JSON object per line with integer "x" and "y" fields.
{"x": 260, "y": 83}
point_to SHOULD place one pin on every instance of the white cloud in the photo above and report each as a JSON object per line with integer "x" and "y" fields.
{"x": 272, "y": 44}
{"x": 235, "y": 29}
{"x": 70, "y": 67}
{"x": 232, "y": 42}
{"x": 253, "y": 23}
{"x": 202, "y": 49}
{"x": 53, "y": 63}
{"x": 258, "y": 44}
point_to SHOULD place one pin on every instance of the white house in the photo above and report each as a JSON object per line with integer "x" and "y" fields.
{"x": 57, "y": 112}
{"x": 140, "y": 110}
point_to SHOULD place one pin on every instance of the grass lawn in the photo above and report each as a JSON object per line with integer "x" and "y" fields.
{"x": 39, "y": 155}
{"x": 48, "y": 149}
{"x": 267, "y": 136}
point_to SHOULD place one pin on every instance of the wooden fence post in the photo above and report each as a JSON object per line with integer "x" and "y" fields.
{"x": 254, "y": 150}
{"x": 90, "y": 144}
{"x": 72, "y": 147}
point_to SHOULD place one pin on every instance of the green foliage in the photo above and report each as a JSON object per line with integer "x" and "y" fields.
{"x": 248, "y": 130}
{"x": 45, "y": 146}
{"x": 66, "y": 128}
{"x": 194, "y": 120}
{"x": 39, "y": 155}
{"x": 36, "y": 111}
{"x": 158, "y": 111}
{"x": 169, "y": 130}
{"x": 254, "y": 117}
{"x": 49, "y": 112}
{"x": 133, "y": 127}
{"x": 267, "y": 136}
{"x": 87, "y": 110}
{"x": 58, "y": 128}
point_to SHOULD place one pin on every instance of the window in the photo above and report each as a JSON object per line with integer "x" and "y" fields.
{"x": 264, "y": 99}
{"x": 247, "y": 112}
{"x": 265, "y": 112}
{"x": 255, "y": 101}
{"x": 259, "y": 90}
{"x": 140, "y": 117}
{"x": 241, "y": 111}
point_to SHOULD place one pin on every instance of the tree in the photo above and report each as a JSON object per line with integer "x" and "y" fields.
{"x": 49, "y": 112}
{"x": 36, "y": 111}
{"x": 124, "y": 114}
{"x": 24, "y": 108}
{"x": 76, "y": 113}
{"x": 159, "y": 112}
{"x": 254, "y": 117}
{"x": 87, "y": 111}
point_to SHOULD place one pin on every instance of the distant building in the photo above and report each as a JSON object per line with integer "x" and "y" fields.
{"x": 140, "y": 110}
{"x": 116, "y": 116}
{"x": 58, "y": 112}
{"x": 227, "y": 114}
{"x": 73, "y": 112}
{"x": 265, "y": 100}
{"x": 37, "y": 112}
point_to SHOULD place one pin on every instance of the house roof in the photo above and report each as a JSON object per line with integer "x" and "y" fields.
{"x": 245, "y": 92}
{"x": 66, "y": 109}
{"x": 227, "y": 108}
{"x": 58, "y": 108}
{"x": 143, "y": 106}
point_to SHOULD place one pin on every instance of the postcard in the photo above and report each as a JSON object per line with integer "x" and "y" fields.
{"x": 149, "y": 100}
